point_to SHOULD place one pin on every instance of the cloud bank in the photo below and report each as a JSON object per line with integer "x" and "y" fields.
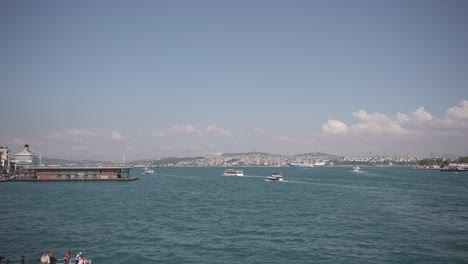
{"x": 414, "y": 129}
{"x": 417, "y": 132}
{"x": 212, "y": 130}
{"x": 419, "y": 121}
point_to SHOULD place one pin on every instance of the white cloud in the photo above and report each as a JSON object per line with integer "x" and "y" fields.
{"x": 458, "y": 112}
{"x": 417, "y": 117}
{"x": 81, "y": 133}
{"x": 187, "y": 129}
{"x": 157, "y": 134}
{"x": 335, "y": 127}
{"x": 421, "y": 115}
{"x": 283, "y": 138}
{"x": 417, "y": 129}
{"x": 375, "y": 124}
{"x": 218, "y": 131}
{"x": 212, "y": 130}
{"x": 80, "y": 142}
{"x": 116, "y": 136}
{"x": 82, "y": 136}
{"x": 258, "y": 131}
{"x": 73, "y": 135}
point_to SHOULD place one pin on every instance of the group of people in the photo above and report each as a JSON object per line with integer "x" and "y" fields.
{"x": 7, "y": 260}
{"x": 49, "y": 258}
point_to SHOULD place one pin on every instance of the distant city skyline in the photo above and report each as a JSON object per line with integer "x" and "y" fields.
{"x": 150, "y": 79}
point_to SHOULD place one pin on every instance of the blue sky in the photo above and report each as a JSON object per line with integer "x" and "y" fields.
{"x": 95, "y": 79}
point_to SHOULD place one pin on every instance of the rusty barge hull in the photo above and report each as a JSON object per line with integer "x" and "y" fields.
{"x": 76, "y": 180}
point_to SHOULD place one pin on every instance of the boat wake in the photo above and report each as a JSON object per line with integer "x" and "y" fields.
{"x": 300, "y": 182}
{"x": 254, "y": 176}
{"x": 176, "y": 176}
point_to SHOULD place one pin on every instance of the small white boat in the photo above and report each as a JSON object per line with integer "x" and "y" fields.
{"x": 275, "y": 177}
{"x": 233, "y": 172}
{"x": 356, "y": 169}
{"x": 148, "y": 171}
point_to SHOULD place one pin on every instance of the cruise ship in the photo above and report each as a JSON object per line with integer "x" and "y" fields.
{"x": 26, "y": 158}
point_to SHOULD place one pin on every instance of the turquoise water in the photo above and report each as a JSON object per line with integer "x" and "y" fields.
{"x": 194, "y": 215}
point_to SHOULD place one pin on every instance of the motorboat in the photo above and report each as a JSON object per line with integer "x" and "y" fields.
{"x": 148, "y": 171}
{"x": 356, "y": 169}
{"x": 275, "y": 177}
{"x": 233, "y": 172}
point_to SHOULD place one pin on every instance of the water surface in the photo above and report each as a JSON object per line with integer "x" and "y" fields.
{"x": 195, "y": 215}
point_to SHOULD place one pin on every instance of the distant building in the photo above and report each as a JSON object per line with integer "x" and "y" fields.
{"x": 25, "y": 159}
{"x": 4, "y": 160}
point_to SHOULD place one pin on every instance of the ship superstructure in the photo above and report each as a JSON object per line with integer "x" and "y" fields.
{"x": 26, "y": 158}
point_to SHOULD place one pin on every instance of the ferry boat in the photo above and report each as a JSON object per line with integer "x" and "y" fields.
{"x": 456, "y": 167}
{"x": 148, "y": 171}
{"x": 356, "y": 169}
{"x": 233, "y": 172}
{"x": 275, "y": 177}
{"x": 300, "y": 165}
{"x": 320, "y": 163}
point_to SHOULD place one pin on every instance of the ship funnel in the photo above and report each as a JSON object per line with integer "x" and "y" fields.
{"x": 26, "y": 147}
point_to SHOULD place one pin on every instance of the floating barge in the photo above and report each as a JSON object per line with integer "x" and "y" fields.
{"x": 41, "y": 173}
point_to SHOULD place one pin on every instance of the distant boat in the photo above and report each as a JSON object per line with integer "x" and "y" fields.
{"x": 275, "y": 177}
{"x": 320, "y": 163}
{"x": 383, "y": 165}
{"x": 233, "y": 172}
{"x": 456, "y": 167}
{"x": 356, "y": 169}
{"x": 148, "y": 171}
{"x": 300, "y": 165}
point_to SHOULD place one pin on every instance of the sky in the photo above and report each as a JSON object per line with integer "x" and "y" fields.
{"x": 150, "y": 79}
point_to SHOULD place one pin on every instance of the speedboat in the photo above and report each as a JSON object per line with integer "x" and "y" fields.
{"x": 233, "y": 172}
{"x": 356, "y": 169}
{"x": 275, "y": 177}
{"x": 148, "y": 171}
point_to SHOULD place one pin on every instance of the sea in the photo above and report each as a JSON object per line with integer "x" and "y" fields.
{"x": 196, "y": 215}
